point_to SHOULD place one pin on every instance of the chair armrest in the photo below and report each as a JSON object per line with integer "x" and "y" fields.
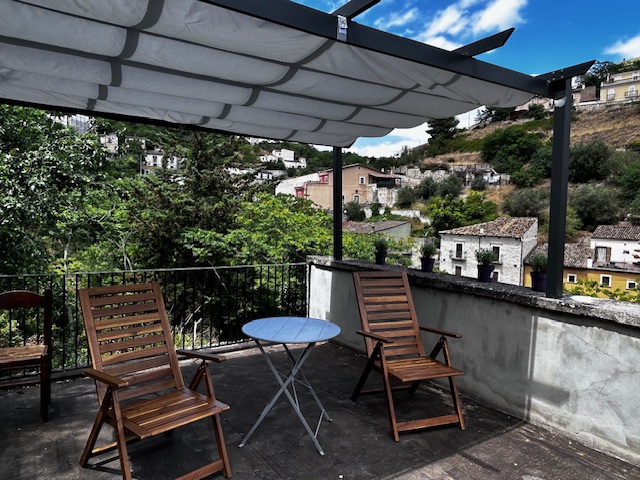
{"x": 201, "y": 355}
{"x": 110, "y": 380}
{"x": 441, "y": 332}
{"x": 374, "y": 336}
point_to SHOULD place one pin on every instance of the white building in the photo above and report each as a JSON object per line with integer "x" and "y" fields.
{"x": 154, "y": 159}
{"x": 286, "y": 156}
{"x": 292, "y": 185}
{"x": 511, "y": 239}
{"x": 615, "y": 246}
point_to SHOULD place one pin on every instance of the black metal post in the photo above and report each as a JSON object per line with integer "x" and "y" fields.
{"x": 337, "y": 203}
{"x": 559, "y": 187}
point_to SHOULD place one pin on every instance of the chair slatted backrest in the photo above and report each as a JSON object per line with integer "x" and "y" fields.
{"x": 130, "y": 338}
{"x": 30, "y": 303}
{"x": 386, "y": 308}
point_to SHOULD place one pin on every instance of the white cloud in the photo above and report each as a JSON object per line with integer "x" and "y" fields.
{"x": 450, "y": 21}
{"x": 626, "y": 49}
{"x": 391, "y": 144}
{"x": 499, "y": 15}
{"x": 396, "y": 19}
{"x": 441, "y": 42}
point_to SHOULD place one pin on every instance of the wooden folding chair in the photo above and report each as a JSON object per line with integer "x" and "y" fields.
{"x": 394, "y": 347}
{"x": 30, "y": 355}
{"x": 135, "y": 366}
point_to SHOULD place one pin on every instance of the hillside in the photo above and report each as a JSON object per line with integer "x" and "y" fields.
{"x": 615, "y": 126}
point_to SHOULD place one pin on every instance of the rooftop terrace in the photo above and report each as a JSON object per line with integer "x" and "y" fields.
{"x": 357, "y": 443}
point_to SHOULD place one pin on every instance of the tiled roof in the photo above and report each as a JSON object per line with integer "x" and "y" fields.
{"x": 372, "y": 227}
{"x": 512, "y": 227}
{"x": 615, "y": 232}
{"x": 576, "y": 255}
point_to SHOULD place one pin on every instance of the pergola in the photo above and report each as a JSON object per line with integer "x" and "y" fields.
{"x": 264, "y": 68}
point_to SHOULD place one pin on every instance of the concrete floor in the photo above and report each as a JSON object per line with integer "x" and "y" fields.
{"x": 357, "y": 443}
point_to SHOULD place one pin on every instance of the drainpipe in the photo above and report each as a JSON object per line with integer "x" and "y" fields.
{"x": 559, "y": 187}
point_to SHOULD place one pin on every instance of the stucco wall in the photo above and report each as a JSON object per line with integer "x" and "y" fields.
{"x": 570, "y": 364}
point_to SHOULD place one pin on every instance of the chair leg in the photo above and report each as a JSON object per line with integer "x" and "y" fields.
{"x": 222, "y": 448}
{"x": 45, "y": 388}
{"x": 365, "y": 373}
{"x": 390, "y": 407}
{"x": 456, "y": 401}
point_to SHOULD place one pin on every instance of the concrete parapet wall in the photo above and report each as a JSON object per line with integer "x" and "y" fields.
{"x": 570, "y": 364}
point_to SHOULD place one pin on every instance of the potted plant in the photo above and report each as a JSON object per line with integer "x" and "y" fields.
{"x": 427, "y": 251}
{"x": 485, "y": 258}
{"x": 381, "y": 245}
{"x": 538, "y": 263}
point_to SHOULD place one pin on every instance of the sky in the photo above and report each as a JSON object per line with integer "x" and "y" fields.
{"x": 549, "y": 35}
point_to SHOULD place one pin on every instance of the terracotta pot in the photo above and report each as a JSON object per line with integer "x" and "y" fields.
{"x": 539, "y": 281}
{"x": 484, "y": 273}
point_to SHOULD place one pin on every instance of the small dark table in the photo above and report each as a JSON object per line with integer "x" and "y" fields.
{"x": 291, "y": 330}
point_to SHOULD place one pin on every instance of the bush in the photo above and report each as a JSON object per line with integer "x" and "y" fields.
{"x": 510, "y": 148}
{"x": 428, "y": 248}
{"x": 589, "y": 161}
{"x": 537, "y": 111}
{"x": 538, "y": 262}
{"x": 478, "y": 183}
{"x": 354, "y": 211}
{"x": 595, "y": 205}
{"x": 452, "y": 186}
{"x": 525, "y": 203}
{"x": 485, "y": 256}
{"x": 406, "y": 197}
{"x": 381, "y": 244}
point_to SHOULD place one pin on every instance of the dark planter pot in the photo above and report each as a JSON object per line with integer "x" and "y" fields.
{"x": 381, "y": 258}
{"x": 539, "y": 281}
{"x": 427, "y": 264}
{"x": 484, "y": 273}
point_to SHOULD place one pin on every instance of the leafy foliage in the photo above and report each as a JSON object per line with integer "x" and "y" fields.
{"x": 527, "y": 202}
{"x": 447, "y": 213}
{"x": 595, "y": 205}
{"x": 589, "y": 161}
{"x": 508, "y": 149}
{"x": 406, "y": 196}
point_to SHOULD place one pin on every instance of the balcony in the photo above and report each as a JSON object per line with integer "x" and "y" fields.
{"x": 559, "y": 369}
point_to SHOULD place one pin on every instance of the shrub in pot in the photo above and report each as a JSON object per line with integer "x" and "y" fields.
{"x": 427, "y": 251}
{"x": 485, "y": 258}
{"x": 381, "y": 245}
{"x": 538, "y": 263}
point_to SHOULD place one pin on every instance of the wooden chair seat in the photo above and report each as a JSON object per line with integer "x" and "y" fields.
{"x": 420, "y": 368}
{"x": 141, "y": 392}
{"x": 395, "y": 349}
{"x": 22, "y": 356}
{"x": 30, "y": 307}
{"x": 168, "y": 412}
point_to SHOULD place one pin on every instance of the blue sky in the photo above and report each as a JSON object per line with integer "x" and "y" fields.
{"x": 550, "y": 34}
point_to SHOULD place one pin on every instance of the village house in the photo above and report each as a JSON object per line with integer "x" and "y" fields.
{"x": 510, "y": 238}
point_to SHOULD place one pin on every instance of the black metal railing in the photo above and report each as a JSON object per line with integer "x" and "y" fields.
{"x": 206, "y": 306}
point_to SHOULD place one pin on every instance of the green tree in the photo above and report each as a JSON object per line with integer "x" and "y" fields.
{"x": 427, "y": 188}
{"x": 508, "y": 149}
{"x": 629, "y": 181}
{"x": 45, "y": 171}
{"x": 595, "y": 205}
{"x": 447, "y": 212}
{"x": 406, "y": 197}
{"x": 536, "y": 111}
{"x": 354, "y": 211}
{"x": 478, "y": 183}
{"x": 451, "y": 186}
{"x": 527, "y": 202}
{"x": 442, "y": 131}
{"x": 589, "y": 161}
{"x": 274, "y": 229}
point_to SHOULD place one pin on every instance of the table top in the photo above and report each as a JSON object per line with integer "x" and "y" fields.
{"x": 291, "y": 329}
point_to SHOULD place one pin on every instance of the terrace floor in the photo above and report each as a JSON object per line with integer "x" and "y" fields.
{"x": 357, "y": 443}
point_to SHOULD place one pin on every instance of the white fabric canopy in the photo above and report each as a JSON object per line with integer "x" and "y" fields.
{"x": 193, "y": 63}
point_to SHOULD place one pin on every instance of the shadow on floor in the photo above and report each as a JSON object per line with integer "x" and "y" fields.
{"x": 357, "y": 444}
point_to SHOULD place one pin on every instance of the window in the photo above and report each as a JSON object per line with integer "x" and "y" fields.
{"x": 458, "y": 250}
{"x": 496, "y": 253}
{"x": 611, "y": 94}
{"x": 459, "y": 271}
{"x": 631, "y": 284}
{"x": 572, "y": 278}
{"x": 356, "y": 198}
{"x": 605, "y": 280}
{"x": 494, "y": 276}
{"x": 603, "y": 255}
{"x": 361, "y": 180}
